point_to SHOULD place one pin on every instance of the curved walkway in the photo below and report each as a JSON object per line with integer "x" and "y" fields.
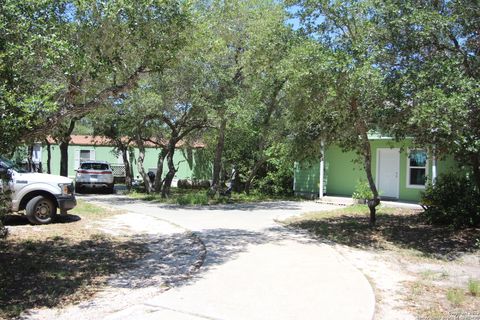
{"x": 253, "y": 268}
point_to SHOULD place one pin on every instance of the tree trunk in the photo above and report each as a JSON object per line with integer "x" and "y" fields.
{"x": 141, "y": 169}
{"x": 126, "y": 163}
{"x": 30, "y": 164}
{"x": 158, "y": 176}
{"x": 217, "y": 163}
{"x": 258, "y": 163}
{"x": 476, "y": 169}
{"x": 367, "y": 166}
{"x": 64, "y": 142}
{"x": 366, "y": 152}
{"x": 49, "y": 157}
{"x": 272, "y": 102}
{"x": 171, "y": 170}
{"x": 64, "y": 157}
{"x": 248, "y": 183}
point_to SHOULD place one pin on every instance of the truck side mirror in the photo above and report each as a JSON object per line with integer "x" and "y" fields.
{"x": 5, "y": 173}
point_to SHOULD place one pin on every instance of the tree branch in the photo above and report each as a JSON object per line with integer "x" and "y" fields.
{"x": 79, "y": 110}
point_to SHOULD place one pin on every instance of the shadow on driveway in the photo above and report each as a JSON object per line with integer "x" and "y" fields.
{"x": 268, "y": 205}
{"x": 182, "y": 259}
{"x": 403, "y": 231}
{"x": 20, "y": 220}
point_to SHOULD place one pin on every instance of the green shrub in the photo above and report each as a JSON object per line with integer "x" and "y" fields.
{"x": 275, "y": 183}
{"x": 456, "y": 296}
{"x": 193, "y": 184}
{"x": 5, "y": 204}
{"x": 474, "y": 287}
{"x": 453, "y": 200}
{"x": 193, "y": 198}
{"x": 276, "y": 177}
{"x": 362, "y": 190}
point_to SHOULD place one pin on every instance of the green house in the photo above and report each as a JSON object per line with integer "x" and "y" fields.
{"x": 400, "y": 171}
{"x": 191, "y": 162}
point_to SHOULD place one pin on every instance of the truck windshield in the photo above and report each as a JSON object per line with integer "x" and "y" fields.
{"x": 7, "y": 164}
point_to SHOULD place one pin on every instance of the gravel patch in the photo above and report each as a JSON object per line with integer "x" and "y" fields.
{"x": 388, "y": 278}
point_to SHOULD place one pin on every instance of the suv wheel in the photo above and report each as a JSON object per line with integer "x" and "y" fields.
{"x": 110, "y": 188}
{"x": 78, "y": 187}
{"x": 40, "y": 210}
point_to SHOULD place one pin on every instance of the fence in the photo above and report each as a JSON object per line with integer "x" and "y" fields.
{"x": 118, "y": 172}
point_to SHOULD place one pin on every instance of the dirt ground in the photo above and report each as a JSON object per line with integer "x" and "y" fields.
{"x": 417, "y": 270}
{"x": 410, "y": 288}
{"x": 89, "y": 252}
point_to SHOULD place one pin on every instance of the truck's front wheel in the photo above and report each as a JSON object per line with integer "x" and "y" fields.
{"x": 40, "y": 210}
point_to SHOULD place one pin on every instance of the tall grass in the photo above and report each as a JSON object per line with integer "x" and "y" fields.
{"x": 200, "y": 198}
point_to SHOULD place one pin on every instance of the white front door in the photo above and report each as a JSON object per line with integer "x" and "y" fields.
{"x": 388, "y": 167}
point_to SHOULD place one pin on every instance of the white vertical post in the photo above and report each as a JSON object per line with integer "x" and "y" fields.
{"x": 294, "y": 177}
{"x": 434, "y": 165}
{"x": 76, "y": 163}
{"x": 322, "y": 165}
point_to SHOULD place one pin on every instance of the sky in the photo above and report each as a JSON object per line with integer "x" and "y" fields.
{"x": 294, "y": 21}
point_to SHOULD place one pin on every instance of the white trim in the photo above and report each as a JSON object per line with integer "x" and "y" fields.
{"x": 434, "y": 165}
{"x": 37, "y": 153}
{"x": 377, "y": 172}
{"x": 322, "y": 168}
{"x": 416, "y": 186}
{"x": 294, "y": 176}
{"x": 376, "y": 168}
{"x": 77, "y": 159}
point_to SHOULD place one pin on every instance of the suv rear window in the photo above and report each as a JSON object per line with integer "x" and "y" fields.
{"x": 95, "y": 166}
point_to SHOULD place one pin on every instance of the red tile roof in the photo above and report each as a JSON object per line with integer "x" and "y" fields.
{"x": 86, "y": 140}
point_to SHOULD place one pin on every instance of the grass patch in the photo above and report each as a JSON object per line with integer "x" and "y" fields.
{"x": 417, "y": 289}
{"x": 396, "y": 229}
{"x": 193, "y": 199}
{"x": 91, "y": 211}
{"x": 474, "y": 287}
{"x": 431, "y": 275}
{"x": 456, "y": 296}
{"x": 199, "y": 197}
{"x": 60, "y": 263}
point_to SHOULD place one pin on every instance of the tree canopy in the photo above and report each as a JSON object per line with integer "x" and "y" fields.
{"x": 239, "y": 76}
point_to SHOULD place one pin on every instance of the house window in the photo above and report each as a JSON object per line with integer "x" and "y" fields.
{"x": 417, "y": 168}
{"x": 85, "y": 155}
{"x": 82, "y": 155}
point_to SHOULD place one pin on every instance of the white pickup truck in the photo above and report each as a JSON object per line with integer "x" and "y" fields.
{"x": 39, "y": 194}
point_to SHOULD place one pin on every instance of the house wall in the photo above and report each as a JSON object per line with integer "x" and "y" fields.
{"x": 191, "y": 164}
{"x": 342, "y": 172}
{"x": 306, "y": 179}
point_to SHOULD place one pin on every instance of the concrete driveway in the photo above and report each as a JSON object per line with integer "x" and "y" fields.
{"x": 253, "y": 268}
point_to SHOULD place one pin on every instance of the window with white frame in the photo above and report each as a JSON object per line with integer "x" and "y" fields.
{"x": 85, "y": 155}
{"x": 82, "y": 155}
{"x": 417, "y": 168}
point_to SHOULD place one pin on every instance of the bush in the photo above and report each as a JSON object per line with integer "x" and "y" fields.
{"x": 362, "y": 191}
{"x": 5, "y": 203}
{"x": 275, "y": 184}
{"x": 453, "y": 200}
{"x": 474, "y": 287}
{"x": 456, "y": 296}
{"x": 193, "y": 198}
{"x": 193, "y": 184}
